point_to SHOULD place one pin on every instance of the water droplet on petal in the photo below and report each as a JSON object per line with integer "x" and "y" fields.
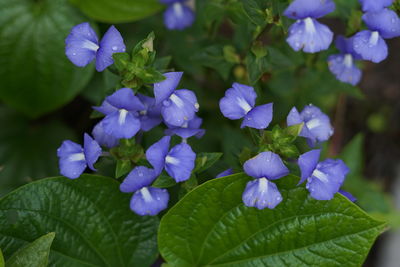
{"x": 74, "y": 54}
{"x": 114, "y": 48}
{"x": 166, "y": 103}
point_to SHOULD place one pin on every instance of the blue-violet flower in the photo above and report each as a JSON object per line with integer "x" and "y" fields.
{"x": 177, "y": 16}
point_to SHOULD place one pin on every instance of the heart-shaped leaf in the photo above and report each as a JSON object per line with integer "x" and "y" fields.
{"x": 36, "y": 76}
{"x": 90, "y": 216}
{"x": 210, "y": 226}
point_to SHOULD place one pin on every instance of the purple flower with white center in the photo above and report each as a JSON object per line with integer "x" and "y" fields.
{"x": 370, "y": 44}
{"x": 307, "y": 33}
{"x": 374, "y": 5}
{"x": 73, "y": 158}
{"x": 178, "y": 106}
{"x": 317, "y": 125}
{"x": 261, "y": 192}
{"x": 342, "y": 65}
{"x": 146, "y": 200}
{"x": 121, "y": 109}
{"x": 102, "y": 138}
{"x": 177, "y": 16}
{"x": 324, "y": 178}
{"x": 178, "y": 162}
{"x": 150, "y": 116}
{"x": 225, "y": 173}
{"x": 239, "y": 102}
{"x": 188, "y": 129}
{"x": 82, "y": 46}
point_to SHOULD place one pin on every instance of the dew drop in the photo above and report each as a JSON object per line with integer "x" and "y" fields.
{"x": 74, "y": 54}
{"x": 140, "y": 174}
{"x": 166, "y": 103}
{"x": 114, "y": 48}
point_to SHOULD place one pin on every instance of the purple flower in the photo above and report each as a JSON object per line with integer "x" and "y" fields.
{"x": 307, "y": 33}
{"x": 348, "y": 195}
{"x": 239, "y": 102}
{"x": 225, "y": 173}
{"x": 150, "y": 116}
{"x": 73, "y": 158}
{"x": 121, "y": 109}
{"x": 102, "y": 138}
{"x": 188, "y": 129}
{"x": 146, "y": 200}
{"x": 262, "y": 193}
{"x": 178, "y": 16}
{"x": 178, "y": 162}
{"x": 370, "y": 44}
{"x": 374, "y": 5}
{"x": 342, "y": 65}
{"x": 323, "y": 178}
{"x": 178, "y": 106}
{"x": 82, "y": 46}
{"x": 317, "y": 126}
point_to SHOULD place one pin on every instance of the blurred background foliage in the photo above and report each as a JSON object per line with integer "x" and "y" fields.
{"x": 46, "y": 99}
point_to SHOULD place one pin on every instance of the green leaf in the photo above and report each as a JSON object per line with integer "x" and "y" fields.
{"x": 118, "y": 11}
{"x": 206, "y": 160}
{"x": 300, "y": 231}
{"x": 35, "y": 254}
{"x": 256, "y": 67}
{"x": 37, "y": 77}
{"x": 123, "y": 167}
{"x": 214, "y": 57}
{"x": 90, "y": 216}
{"x": 1, "y": 259}
{"x": 164, "y": 181}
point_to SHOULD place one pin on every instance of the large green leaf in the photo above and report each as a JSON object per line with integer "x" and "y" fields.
{"x": 118, "y": 11}
{"x": 1, "y": 259}
{"x": 90, "y": 216}
{"x": 35, "y": 254}
{"x": 211, "y": 227}
{"x": 36, "y": 76}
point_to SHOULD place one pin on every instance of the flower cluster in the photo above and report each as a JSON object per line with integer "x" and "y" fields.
{"x": 127, "y": 113}
{"x": 178, "y": 15}
{"x": 310, "y": 36}
{"x": 324, "y": 178}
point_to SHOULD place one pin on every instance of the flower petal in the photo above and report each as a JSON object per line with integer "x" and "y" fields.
{"x": 103, "y": 138}
{"x": 301, "y": 9}
{"x": 259, "y": 117}
{"x": 348, "y": 195}
{"x": 261, "y": 194}
{"x": 124, "y": 98}
{"x": 81, "y": 44}
{"x": 374, "y": 5}
{"x": 238, "y": 101}
{"x": 317, "y": 123}
{"x": 149, "y": 201}
{"x": 178, "y": 16}
{"x": 309, "y": 35}
{"x": 121, "y": 124}
{"x": 92, "y": 151}
{"x": 346, "y": 46}
{"x": 179, "y": 108}
{"x": 106, "y": 108}
{"x": 111, "y": 43}
{"x": 157, "y": 152}
{"x": 344, "y": 69}
{"x": 179, "y": 162}
{"x": 370, "y": 46}
{"x": 225, "y": 173}
{"x": 138, "y": 178}
{"x": 71, "y": 167}
{"x": 164, "y": 89}
{"x": 307, "y": 163}
{"x": 68, "y": 147}
{"x": 266, "y": 164}
{"x": 385, "y": 21}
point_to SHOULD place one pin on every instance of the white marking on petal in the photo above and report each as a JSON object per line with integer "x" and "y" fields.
{"x": 309, "y": 25}
{"x": 311, "y": 124}
{"x": 263, "y": 185}
{"x": 171, "y": 160}
{"x": 178, "y": 9}
{"x": 185, "y": 124}
{"x": 90, "y": 45}
{"x": 177, "y": 100}
{"x": 243, "y": 104}
{"x": 146, "y": 194}
{"x": 76, "y": 157}
{"x": 320, "y": 175}
{"x": 348, "y": 60}
{"x": 122, "y": 116}
{"x": 373, "y": 39}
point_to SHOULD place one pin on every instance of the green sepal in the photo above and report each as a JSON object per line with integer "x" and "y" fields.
{"x": 205, "y": 160}
{"x": 164, "y": 181}
{"x": 124, "y": 166}
{"x": 121, "y": 61}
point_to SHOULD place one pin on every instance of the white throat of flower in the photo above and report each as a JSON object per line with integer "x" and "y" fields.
{"x": 77, "y": 157}
{"x": 309, "y": 25}
{"x": 348, "y": 60}
{"x": 178, "y": 9}
{"x": 176, "y": 100}
{"x": 171, "y": 160}
{"x": 243, "y": 104}
{"x": 263, "y": 185}
{"x": 320, "y": 176}
{"x": 313, "y": 123}
{"x": 90, "y": 45}
{"x": 122, "y": 116}
{"x": 374, "y": 38}
{"x": 146, "y": 194}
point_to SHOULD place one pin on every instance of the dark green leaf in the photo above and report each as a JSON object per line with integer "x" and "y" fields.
{"x": 300, "y": 231}
{"x": 118, "y": 11}
{"x": 121, "y": 60}
{"x": 36, "y": 76}
{"x": 35, "y": 254}
{"x": 123, "y": 167}
{"x": 164, "y": 181}
{"x": 256, "y": 67}
{"x": 1, "y": 259}
{"x": 213, "y": 57}
{"x": 206, "y": 160}
{"x": 91, "y": 218}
